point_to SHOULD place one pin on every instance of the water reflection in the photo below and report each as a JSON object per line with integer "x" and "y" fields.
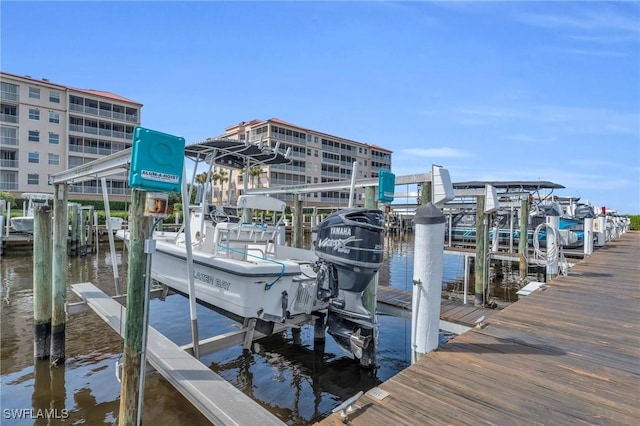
{"x": 296, "y": 381}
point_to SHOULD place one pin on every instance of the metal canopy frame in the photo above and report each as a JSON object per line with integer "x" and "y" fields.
{"x": 229, "y": 153}
{"x": 235, "y": 154}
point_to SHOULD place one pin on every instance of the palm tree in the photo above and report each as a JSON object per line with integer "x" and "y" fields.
{"x": 255, "y": 171}
{"x": 200, "y": 180}
{"x": 222, "y": 176}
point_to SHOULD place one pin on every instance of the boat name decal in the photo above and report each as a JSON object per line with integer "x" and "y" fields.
{"x": 338, "y": 244}
{"x": 222, "y": 284}
{"x": 208, "y": 279}
{"x": 203, "y": 277}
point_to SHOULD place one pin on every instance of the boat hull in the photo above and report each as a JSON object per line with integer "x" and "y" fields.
{"x": 22, "y": 224}
{"x": 269, "y": 290}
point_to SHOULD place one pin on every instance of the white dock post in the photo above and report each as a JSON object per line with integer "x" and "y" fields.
{"x": 494, "y": 239}
{"x": 602, "y": 229}
{"x": 588, "y": 236}
{"x": 427, "y": 280}
{"x": 553, "y": 245}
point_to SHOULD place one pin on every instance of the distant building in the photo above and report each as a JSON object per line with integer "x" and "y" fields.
{"x": 317, "y": 157}
{"x": 47, "y": 127}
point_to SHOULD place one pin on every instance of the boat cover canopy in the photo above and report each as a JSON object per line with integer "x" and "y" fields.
{"x": 521, "y": 185}
{"x": 236, "y": 154}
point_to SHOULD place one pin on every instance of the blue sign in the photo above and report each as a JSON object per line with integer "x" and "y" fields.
{"x": 157, "y": 160}
{"x": 386, "y": 186}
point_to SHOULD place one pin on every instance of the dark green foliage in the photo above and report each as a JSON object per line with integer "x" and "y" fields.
{"x": 635, "y": 222}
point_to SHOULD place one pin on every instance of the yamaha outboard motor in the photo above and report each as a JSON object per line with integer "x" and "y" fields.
{"x": 350, "y": 246}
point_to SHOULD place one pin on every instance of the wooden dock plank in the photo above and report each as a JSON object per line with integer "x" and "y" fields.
{"x": 218, "y": 400}
{"x": 568, "y": 354}
{"x": 451, "y": 311}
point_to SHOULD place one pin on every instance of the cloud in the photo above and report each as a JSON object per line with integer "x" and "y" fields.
{"x": 605, "y": 53}
{"x": 600, "y": 20}
{"x": 558, "y": 119}
{"x": 436, "y": 152}
{"x": 531, "y": 138}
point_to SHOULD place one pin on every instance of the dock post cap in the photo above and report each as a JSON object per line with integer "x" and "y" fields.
{"x": 429, "y": 214}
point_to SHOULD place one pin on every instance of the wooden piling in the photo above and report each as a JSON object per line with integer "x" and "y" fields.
{"x": 130, "y": 391}
{"x": 426, "y": 193}
{"x": 90, "y": 227}
{"x": 297, "y": 221}
{"x": 82, "y": 228}
{"x": 523, "y": 240}
{"x": 59, "y": 272}
{"x": 481, "y": 230}
{"x": 42, "y": 282}
{"x": 74, "y": 229}
{"x": 370, "y": 294}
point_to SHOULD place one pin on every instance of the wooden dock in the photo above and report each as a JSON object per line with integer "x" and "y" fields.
{"x": 566, "y": 354}
{"x": 218, "y": 400}
{"x": 450, "y": 311}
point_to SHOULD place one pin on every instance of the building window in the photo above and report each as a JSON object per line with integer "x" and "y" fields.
{"x": 34, "y": 136}
{"x": 34, "y": 92}
{"x": 34, "y": 114}
{"x": 54, "y": 159}
{"x": 54, "y": 97}
{"x": 54, "y": 117}
{"x": 34, "y": 157}
{"x": 54, "y": 138}
{"x": 9, "y": 91}
{"x": 33, "y": 179}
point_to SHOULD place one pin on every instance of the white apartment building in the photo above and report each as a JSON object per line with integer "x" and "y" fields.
{"x": 47, "y": 127}
{"x": 317, "y": 157}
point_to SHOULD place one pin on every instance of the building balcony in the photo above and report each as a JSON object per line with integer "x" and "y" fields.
{"x": 102, "y": 132}
{"x": 8, "y": 186}
{"x": 133, "y": 118}
{"x": 11, "y": 164}
{"x": 80, "y": 189}
{"x": 8, "y": 141}
{"x": 8, "y": 118}
{"x": 9, "y": 96}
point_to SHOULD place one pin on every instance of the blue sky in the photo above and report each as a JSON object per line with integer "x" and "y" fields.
{"x": 490, "y": 90}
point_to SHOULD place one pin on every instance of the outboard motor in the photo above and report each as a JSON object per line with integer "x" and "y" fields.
{"x": 350, "y": 246}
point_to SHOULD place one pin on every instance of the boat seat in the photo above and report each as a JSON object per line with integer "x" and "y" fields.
{"x": 236, "y": 240}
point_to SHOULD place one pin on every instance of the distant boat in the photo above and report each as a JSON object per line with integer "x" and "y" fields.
{"x": 25, "y": 223}
{"x": 571, "y": 225}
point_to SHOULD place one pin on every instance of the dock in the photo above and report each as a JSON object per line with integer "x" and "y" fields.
{"x": 394, "y": 301}
{"x": 568, "y": 353}
{"x": 218, "y": 400}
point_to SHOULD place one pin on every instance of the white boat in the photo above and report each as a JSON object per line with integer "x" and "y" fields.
{"x": 241, "y": 270}
{"x": 25, "y": 223}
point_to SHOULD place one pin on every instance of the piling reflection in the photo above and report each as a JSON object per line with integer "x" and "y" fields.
{"x": 298, "y": 382}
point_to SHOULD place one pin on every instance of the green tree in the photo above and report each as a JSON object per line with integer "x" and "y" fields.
{"x": 255, "y": 171}
{"x": 221, "y": 176}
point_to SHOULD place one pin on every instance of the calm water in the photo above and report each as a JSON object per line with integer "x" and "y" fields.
{"x": 295, "y": 383}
